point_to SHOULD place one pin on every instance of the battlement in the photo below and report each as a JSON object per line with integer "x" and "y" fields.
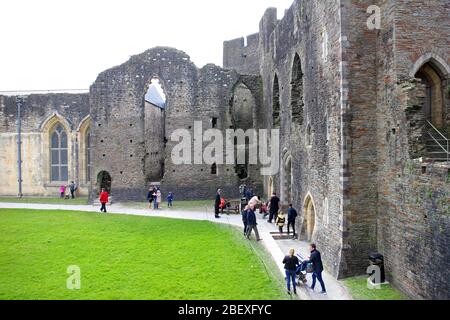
{"x": 241, "y": 54}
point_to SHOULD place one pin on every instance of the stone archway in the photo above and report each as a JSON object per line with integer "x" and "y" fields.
{"x": 104, "y": 181}
{"x": 309, "y": 219}
{"x": 433, "y": 108}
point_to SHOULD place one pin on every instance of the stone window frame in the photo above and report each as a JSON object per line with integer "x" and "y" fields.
{"x": 309, "y": 135}
{"x": 297, "y": 91}
{"x": 325, "y": 44}
{"x": 58, "y": 146}
{"x": 276, "y": 107}
{"x": 83, "y": 130}
{"x": 47, "y": 128}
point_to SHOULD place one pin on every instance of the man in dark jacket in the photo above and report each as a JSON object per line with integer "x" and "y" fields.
{"x": 217, "y": 203}
{"x": 274, "y": 207}
{"x": 316, "y": 260}
{"x": 292, "y": 215}
{"x": 244, "y": 219}
{"x": 251, "y": 224}
{"x": 73, "y": 188}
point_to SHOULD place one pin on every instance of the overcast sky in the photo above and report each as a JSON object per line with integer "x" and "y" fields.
{"x": 65, "y": 44}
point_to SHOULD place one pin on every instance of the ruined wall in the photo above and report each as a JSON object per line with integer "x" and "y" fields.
{"x": 242, "y": 57}
{"x": 414, "y": 198}
{"x": 38, "y": 111}
{"x": 119, "y": 134}
{"x": 359, "y": 134}
{"x": 315, "y": 167}
{"x": 154, "y": 134}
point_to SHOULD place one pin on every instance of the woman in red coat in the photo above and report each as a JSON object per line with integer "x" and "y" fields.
{"x": 103, "y": 200}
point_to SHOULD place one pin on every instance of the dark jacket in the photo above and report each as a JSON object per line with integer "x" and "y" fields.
{"x": 150, "y": 196}
{"x": 316, "y": 261}
{"x": 290, "y": 263}
{"x": 251, "y": 217}
{"x": 244, "y": 216}
{"x": 217, "y": 202}
{"x": 292, "y": 214}
{"x": 274, "y": 204}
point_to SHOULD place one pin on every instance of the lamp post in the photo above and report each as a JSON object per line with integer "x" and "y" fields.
{"x": 19, "y": 102}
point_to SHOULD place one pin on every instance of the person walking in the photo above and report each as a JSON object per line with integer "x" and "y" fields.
{"x": 103, "y": 200}
{"x": 217, "y": 203}
{"x": 251, "y": 223}
{"x": 73, "y": 188}
{"x": 292, "y": 215}
{"x": 274, "y": 207}
{"x": 244, "y": 219}
{"x": 170, "y": 200}
{"x": 290, "y": 266}
{"x": 280, "y": 221}
{"x": 316, "y": 260}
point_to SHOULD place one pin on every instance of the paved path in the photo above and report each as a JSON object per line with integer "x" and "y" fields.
{"x": 278, "y": 248}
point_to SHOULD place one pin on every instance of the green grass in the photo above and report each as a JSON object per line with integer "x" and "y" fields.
{"x": 129, "y": 257}
{"x": 191, "y": 205}
{"x": 358, "y": 289}
{"x": 76, "y": 201}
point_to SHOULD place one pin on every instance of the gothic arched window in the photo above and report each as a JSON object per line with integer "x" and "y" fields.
{"x": 59, "y": 155}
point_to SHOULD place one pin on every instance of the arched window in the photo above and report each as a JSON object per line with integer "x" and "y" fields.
{"x": 276, "y": 114}
{"x": 214, "y": 169}
{"x": 433, "y": 108}
{"x": 309, "y": 135}
{"x": 59, "y": 154}
{"x": 297, "y": 103}
{"x": 88, "y": 156}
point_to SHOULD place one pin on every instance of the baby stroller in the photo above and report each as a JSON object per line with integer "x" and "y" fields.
{"x": 301, "y": 270}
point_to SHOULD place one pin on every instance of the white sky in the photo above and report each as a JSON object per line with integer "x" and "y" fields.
{"x": 65, "y": 44}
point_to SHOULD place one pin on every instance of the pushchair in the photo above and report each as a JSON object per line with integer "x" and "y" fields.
{"x": 301, "y": 270}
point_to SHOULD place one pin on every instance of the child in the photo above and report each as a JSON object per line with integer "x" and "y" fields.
{"x": 222, "y": 205}
{"x": 62, "y": 191}
{"x": 170, "y": 200}
{"x": 103, "y": 199}
{"x": 281, "y": 220}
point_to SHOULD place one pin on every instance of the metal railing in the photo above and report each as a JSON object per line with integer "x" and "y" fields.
{"x": 446, "y": 146}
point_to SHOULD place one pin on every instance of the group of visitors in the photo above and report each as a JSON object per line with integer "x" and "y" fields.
{"x": 280, "y": 218}
{"x": 154, "y": 196}
{"x": 313, "y": 265}
{"x": 68, "y": 191}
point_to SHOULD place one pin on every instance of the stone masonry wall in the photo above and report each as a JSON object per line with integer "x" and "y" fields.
{"x": 36, "y": 111}
{"x": 414, "y": 198}
{"x": 315, "y": 170}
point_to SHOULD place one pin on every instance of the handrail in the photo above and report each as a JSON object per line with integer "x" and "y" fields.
{"x": 446, "y": 150}
{"x": 440, "y": 145}
{"x": 437, "y": 130}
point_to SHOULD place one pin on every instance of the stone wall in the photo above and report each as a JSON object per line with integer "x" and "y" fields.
{"x": 242, "y": 57}
{"x": 193, "y": 96}
{"x": 315, "y": 172}
{"x": 39, "y": 115}
{"x": 413, "y": 219}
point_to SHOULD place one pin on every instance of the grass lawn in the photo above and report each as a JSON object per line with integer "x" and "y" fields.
{"x": 76, "y": 201}
{"x": 358, "y": 289}
{"x": 129, "y": 257}
{"x": 191, "y": 205}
